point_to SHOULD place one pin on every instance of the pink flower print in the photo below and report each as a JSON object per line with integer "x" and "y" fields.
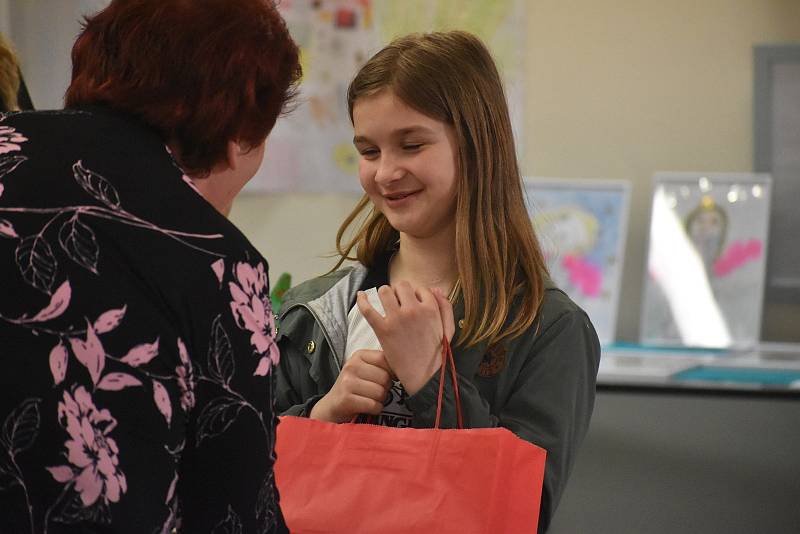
{"x": 218, "y": 267}
{"x": 10, "y": 139}
{"x": 186, "y": 382}
{"x": 91, "y": 452}
{"x": 253, "y": 312}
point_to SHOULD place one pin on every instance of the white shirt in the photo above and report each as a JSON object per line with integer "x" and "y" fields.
{"x": 361, "y": 336}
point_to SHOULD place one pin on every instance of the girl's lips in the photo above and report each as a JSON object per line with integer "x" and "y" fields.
{"x": 399, "y": 199}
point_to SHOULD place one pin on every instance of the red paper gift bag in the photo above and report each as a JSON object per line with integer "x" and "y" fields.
{"x": 357, "y": 478}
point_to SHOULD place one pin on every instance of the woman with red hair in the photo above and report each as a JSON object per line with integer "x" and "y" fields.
{"x": 137, "y": 339}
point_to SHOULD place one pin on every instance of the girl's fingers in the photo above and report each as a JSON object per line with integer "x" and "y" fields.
{"x": 374, "y": 357}
{"x": 446, "y": 311}
{"x": 371, "y": 315}
{"x": 369, "y": 390}
{"x": 405, "y": 294}
{"x": 368, "y": 406}
{"x": 388, "y": 299}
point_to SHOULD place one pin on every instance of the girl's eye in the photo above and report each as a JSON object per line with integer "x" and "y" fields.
{"x": 369, "y": 153}
{"x": 412, "y": 146}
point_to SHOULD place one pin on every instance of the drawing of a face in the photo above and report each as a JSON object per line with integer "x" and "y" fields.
{"x": 706, "y": 226}
{"x": 567, "y": 231}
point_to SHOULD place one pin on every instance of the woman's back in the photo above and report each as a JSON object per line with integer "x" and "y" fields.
{"x": 133, "y": 319}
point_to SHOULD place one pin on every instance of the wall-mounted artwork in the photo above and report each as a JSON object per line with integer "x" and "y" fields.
{"x": 704, "y": 281}
{"x": 311, "y": 149}
{"x": 581, "y": 225}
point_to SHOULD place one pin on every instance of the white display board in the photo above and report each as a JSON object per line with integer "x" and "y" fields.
{"x": 704, "y": 282}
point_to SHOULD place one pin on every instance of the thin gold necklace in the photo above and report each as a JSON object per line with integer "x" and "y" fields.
{"x": 454, "y": 291}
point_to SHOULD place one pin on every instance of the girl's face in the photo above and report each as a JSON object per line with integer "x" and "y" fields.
{"x": 407, "y": 165}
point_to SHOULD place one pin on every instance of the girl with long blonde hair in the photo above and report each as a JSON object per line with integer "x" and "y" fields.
{"x": 443, "y": 246}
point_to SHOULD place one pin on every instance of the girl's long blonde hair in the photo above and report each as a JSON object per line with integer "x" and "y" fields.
{"x": 451, "y": 77}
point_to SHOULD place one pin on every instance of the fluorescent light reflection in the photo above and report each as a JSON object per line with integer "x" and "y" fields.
{"x": 677, "y": 268}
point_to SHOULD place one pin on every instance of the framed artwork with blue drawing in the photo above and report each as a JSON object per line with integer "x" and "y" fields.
{"x": 582, "y": 226}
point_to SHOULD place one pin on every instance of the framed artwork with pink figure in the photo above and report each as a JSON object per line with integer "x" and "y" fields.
{"x": 704, "y": 281}
{"x": 582, "y": 226}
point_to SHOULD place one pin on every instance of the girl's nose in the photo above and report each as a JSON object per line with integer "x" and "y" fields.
{"x": 388, "y": 171}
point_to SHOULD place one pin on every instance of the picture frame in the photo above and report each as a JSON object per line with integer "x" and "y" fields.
{"x": 582, "y": 228}
{"x": 706, "y": 260}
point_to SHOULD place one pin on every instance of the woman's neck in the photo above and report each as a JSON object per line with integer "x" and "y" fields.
{"x": 426, "y": 262}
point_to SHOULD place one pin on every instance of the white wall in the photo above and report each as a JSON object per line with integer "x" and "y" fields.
{"x": 5, "y": 17}
{"x": 43, "y": 32}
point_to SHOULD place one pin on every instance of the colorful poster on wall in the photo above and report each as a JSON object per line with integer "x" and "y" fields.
{"x": 311, "y": 149}
{"x": 704, "y": 284}
{"x": 581, "y": 225}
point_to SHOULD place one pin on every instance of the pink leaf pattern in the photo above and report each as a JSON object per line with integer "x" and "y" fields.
{"x": 186, "y": 381}
{"x": 58, "y": 304}
{"x": 141, "y": 354}
{"x": 10, "y": 140}
{"x": 183, "y": 354}
{"x": 171, "y": 489}
{"x": 58, "y": 362}
{"x": 219, "y": 269}
{"x": 61, "y": 473}
{"x": 109, "y": 320}
{"x": 80, "y": 244}
{"x": 118, "y": 381}
{"x": 96, "y": 185}
{"x": 36, "y": 262}
{"x": 263, "y": 367}
{"x": 90, "y": 352}
{"x": 91, "y": 451}
{"x": 7, "y": 229}
{"x": 161, "y": 397}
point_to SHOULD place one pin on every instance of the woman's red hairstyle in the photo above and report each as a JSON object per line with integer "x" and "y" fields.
{"x": 200, "y": 72}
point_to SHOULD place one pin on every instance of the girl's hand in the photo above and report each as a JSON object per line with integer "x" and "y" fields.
{"x": 411, "y": 331}
{"x": 360, "y": 388}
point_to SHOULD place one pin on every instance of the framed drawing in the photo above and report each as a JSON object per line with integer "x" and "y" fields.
{"x": 704, "y": 281}
{"x": 582, "y": 225}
